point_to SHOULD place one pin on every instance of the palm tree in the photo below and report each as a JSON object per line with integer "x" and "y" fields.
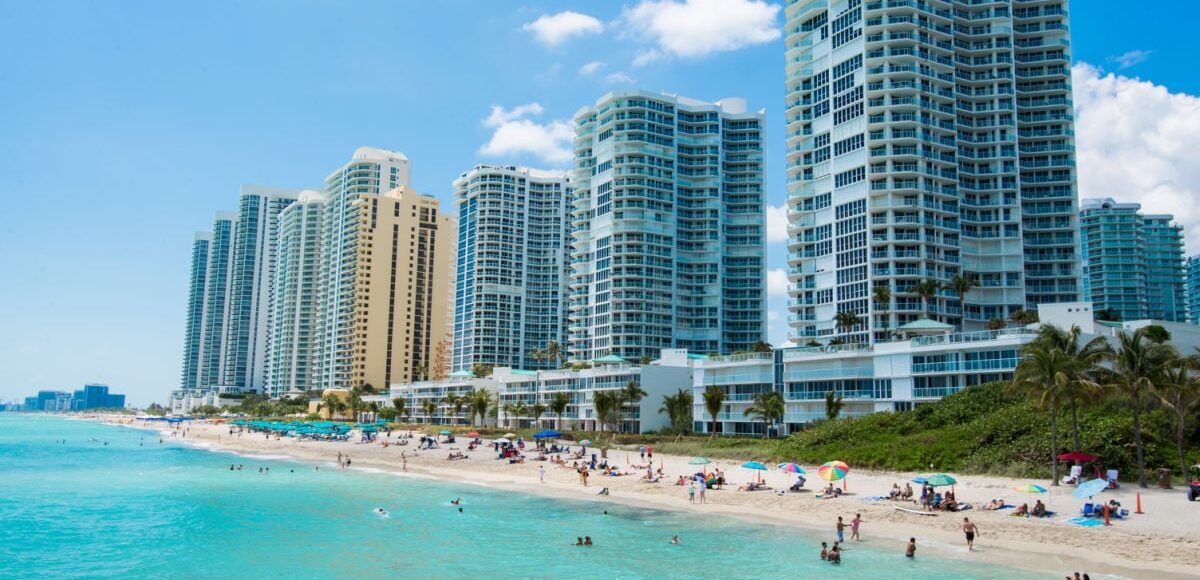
{"x": 537, "y": 410}
{"x": 1023, "y": 317}
{"x": 714, "y": 399}
{"x": 355, "y": 402}
{"x": 630, "y": 395}
{"x": 926, "y": 289}
{"x": 761, "y": 346}
{"x": 882, "y": 295}
{"x": 1179, "y": 391}
{"x": 1139, "y": 362}
{"x": 1081, "y": 385}
{"x": 537, "y": 354}
{"x": 1044, "y": 373}
{"x": 678, "y": 408}
{"x": 845, "y": 320}
{"x": 553, "y": 352}
{"x": 331, "y": 402}
{"x": 478, "y": 402}
{"x": 558, "y": 405}
{"x": 833, "y": 405}
{"x": 768, "y": 407}
{"x": 961, "y": 285}
{"x": 519, "y": 410}
{"x": 605, "y": 403}
{"x": 996, "y": 323}
{"x": 430, "y": 406}
{"x": 401, "y": 406}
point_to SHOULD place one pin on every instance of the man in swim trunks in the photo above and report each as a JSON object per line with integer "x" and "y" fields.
{"x": 970, "y": 530}
{"x": 911, "y": 550}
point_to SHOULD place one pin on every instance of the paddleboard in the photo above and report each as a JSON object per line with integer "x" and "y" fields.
{"x": 917, "y": 512}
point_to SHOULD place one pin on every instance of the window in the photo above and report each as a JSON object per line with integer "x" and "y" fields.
{"x": 847, "y": 145}
{"x": 848, "y": 177}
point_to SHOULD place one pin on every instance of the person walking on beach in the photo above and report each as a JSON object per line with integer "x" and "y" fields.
{"x": 970, "y": 530}
{"x": 854, "y": 523}
{"x": 911, "y": 550}
{"x": 642, "y": 451}
{"x": 403, "y": 461}
{"x": 841, "y": 528}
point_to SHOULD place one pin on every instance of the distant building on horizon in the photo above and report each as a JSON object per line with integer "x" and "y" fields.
{"x": 667, "y": 215}
{"x": 510, "y": 294}
{"x": 194, "y": 325}
{"x": 1133, "y": 263}
{"x": 91, "y": 396}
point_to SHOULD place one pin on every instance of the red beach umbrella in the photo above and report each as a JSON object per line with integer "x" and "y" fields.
{"x": 1077, "y": 456}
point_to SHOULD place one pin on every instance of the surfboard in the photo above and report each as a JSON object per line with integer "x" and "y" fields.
{"x": 916, "y": 512}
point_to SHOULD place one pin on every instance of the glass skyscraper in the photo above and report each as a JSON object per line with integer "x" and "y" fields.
{"x": 928, "y": 140}
{"x": 194, "y": 326}
{"x": 216, "y": 299}
{"x": 294, "y": 290}
{"x": 1133, "y": 263}
{"x": 512, "y": 262}
{"x": 1192, "y": 288}
{"x": 667, "y": 222}
{"x": 251, "y": 281}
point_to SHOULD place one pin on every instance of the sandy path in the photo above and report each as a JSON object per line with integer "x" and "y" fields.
{"x": 1162, "y": 543}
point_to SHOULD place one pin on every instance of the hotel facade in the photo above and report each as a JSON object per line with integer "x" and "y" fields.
{"x": 667, "y": 222}
{"x": 927, "y": 141}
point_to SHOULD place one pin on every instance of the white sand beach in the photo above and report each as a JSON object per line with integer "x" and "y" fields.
{"x": 1163, "y": 542}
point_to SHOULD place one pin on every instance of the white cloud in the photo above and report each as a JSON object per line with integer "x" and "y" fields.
{"x": 1130, "y": 58}
{"x": 591, "y": 68}
{"x": 777, "y": 223}
{"x": 647, "y": 57}
{"x": 777, "y": 282}
{"x": 618, "y": 78}
{"x": 500, "y": 115}
{"x": 695, "y": 28}
{"x": 1138, "y": 142}
{"x": 515, "y": 134}
{"x": 773, "y": 315}
{"x": 555, "y": 29}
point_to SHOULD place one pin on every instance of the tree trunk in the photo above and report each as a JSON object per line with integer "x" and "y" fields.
{"x": 1179, "y": 437}
{"x": 1054, "y": 445}
{"x": 713, "y": 434}
{"x": 1075, "y": 422}
{"x": 1137, "y": 439}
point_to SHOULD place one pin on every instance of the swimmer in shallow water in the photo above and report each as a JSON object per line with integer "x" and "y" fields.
{"x": 381, "y": 512}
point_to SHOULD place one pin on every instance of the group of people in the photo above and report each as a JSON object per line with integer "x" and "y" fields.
{"x": 933, "y": 500}
{"x": 1038, "y": 511}
{"x": 898, "y": 494}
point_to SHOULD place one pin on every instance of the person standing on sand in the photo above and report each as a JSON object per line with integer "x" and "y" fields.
{"x": 403, "y": 461}
{"x": 692, "y": 492}
{"x": 970, "y": 530}
{"x": 703, "y": 487}
{"x": 841, "y": 529}
{"x": 542, "y": 474}
{"x": 854, "y": 523}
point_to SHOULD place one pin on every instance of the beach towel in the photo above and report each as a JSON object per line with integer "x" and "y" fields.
{"x": 1087, "y": 522}
{"x": 1007, "y": 506}
{"x": 873, "y": 498}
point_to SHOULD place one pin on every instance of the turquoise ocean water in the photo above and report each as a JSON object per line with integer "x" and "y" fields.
{"x": 138, "y": 509}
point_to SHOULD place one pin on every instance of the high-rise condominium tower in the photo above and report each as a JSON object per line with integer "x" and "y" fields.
{"x": 216, "y": 299}
{"x": 1133, "y": 263}
{"x": 194, "y": 330}
{"x": 1192, "y": 288}
{"x": 255, "y": 251}
{"x": 928, "y": 141}
{"x": 404, "y": 287}
{"x": 294, "y": 301}
{"x": 667, "y": 218}
{"x": 370, "y": 171}
{"x": 510, "y": 295}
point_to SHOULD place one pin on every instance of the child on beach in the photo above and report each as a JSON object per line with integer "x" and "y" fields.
{"x": 824, "y": 551}
{"x": 841, "y": 527}
{"x": 692, "y": 492}
{"x": 854, "y": 523}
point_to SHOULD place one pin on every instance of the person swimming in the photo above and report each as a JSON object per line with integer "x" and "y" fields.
{"x": 587, "y": 540}
{"x": 578, "y": 541}
{"x": 380, "y": 511}
{"x": 456, "y": 501}
{"x": 675, "y": 540}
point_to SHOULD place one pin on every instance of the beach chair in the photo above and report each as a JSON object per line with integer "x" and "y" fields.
{"x": 1074, "y": 477}
{"x": 1088, "y": 510}
{"x": 1112, "y": 479}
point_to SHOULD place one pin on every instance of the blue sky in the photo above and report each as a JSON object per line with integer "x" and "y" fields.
{"x": 125, "y": 125}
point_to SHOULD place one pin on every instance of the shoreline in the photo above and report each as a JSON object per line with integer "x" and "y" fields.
{"x": 1040, "y": 547}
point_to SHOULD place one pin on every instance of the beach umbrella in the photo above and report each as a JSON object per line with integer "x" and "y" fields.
{"x": 473, "y": 434}
{"x": 1030, "y": 488}
{"x": 1090, "y": 488}
{"x": 445, "y": 432}
{"x": 504, "y": 440}
{"x": 1077, "y": 456}
{"x": 921, "y": 479}
{"x": 699, "y": 461}
{"x": 585, "y": 442}
{"x": 792, "y": 468}
{"x": 759, "y": 467}
{"x": 510, "y": 435}
{"x": 833, "y": 470}
{"x": 547, "y": 434}
{"x": 940, "y": 480}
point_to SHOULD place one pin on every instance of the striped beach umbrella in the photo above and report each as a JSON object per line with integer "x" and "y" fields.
{"x": 792, "y": 468}
{"x": 833, "y": 470}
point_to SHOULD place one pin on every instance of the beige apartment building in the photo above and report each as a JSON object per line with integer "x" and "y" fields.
{"x": 404, "y": 293}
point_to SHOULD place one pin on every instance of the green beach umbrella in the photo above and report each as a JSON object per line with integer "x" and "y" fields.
{"x": 940, "y": 480}
{"x": 699, "y": 461}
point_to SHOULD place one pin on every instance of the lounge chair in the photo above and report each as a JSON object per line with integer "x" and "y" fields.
{"x": 1088, "y": 510}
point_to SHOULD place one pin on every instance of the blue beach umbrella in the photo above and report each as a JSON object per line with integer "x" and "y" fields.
{"x": 548, "y": 434}
{"x": 1090, "y": 488}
